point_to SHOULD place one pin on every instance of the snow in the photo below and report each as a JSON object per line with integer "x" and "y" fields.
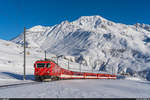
{"x": 12, "y": 72}
{"x": 90, "y": 44}
{"x": 80, "y": 89}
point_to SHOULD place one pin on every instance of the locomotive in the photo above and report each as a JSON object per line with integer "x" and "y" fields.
{"x": 49, "y": 69}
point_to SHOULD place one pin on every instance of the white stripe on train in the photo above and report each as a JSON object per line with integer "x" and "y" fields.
{"x": 75, "y": 76}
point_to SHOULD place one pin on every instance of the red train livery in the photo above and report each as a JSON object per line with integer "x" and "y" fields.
{"x": 48, "y": 69}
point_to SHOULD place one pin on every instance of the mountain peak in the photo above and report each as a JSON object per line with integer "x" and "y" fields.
{"x": 95, "y": 17}
{"x": 91, "y": 22}
{"x": 64, "y": 22}
{"x": 91, "y": 19}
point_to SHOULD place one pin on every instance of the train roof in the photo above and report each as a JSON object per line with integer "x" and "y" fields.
{"x": 45, "y": 60}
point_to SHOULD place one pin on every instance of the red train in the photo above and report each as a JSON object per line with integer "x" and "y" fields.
{"x": 48, "y": 69}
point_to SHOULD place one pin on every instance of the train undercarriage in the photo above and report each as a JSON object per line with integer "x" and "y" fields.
{"x": 46, "y": 78}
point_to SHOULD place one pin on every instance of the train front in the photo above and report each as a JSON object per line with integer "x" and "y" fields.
{"x": 42, "y": 70}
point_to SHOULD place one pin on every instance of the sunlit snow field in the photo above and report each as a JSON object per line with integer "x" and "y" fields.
{"x": 80, "y": 89}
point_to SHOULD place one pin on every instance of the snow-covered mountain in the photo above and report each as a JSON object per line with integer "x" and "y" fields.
{"x": 97, "y": 42}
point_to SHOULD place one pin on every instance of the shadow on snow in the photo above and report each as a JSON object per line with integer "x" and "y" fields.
{"x": 145, "y": 82}
{"x": 18, "y": 76}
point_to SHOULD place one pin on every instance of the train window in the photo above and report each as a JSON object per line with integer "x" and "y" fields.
{"x": 92, "y": 75}
{"x": 39, "y": 65}
{"x": 48, "y": 65}
{"x": 78, "y": 74}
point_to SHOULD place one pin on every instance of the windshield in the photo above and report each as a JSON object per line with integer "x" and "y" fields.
{"x": 48, "y": 65}
{"x": 39, "y": 65}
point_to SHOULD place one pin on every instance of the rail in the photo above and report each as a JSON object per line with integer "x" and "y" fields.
{"x": 26, "y": 83}
{"x": 19, "y": 84}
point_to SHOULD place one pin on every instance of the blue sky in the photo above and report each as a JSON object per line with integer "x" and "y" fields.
{"x": 16, "y": 14}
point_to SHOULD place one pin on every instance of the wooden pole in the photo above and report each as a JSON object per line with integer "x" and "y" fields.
{"x": 80, "y": 67}
{"x": 112, "y": 69}
{"x": 45, "y": 55}
{"x": 57, "y": 59}
{"x": 24, "y": 77}
{"x": 68, "y": 64}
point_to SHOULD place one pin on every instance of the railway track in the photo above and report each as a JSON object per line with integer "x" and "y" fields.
{"x": 26, "y": 83}
{"x": 19, "y": 84}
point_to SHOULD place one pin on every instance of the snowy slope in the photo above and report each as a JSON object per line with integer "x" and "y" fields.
{"x": 11, "y": 61}
{"x": 96, "y": 42}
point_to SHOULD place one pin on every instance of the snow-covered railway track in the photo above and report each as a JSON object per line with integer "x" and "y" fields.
{"x": 19, "y": 84}
{"x": 25, "y": 83}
